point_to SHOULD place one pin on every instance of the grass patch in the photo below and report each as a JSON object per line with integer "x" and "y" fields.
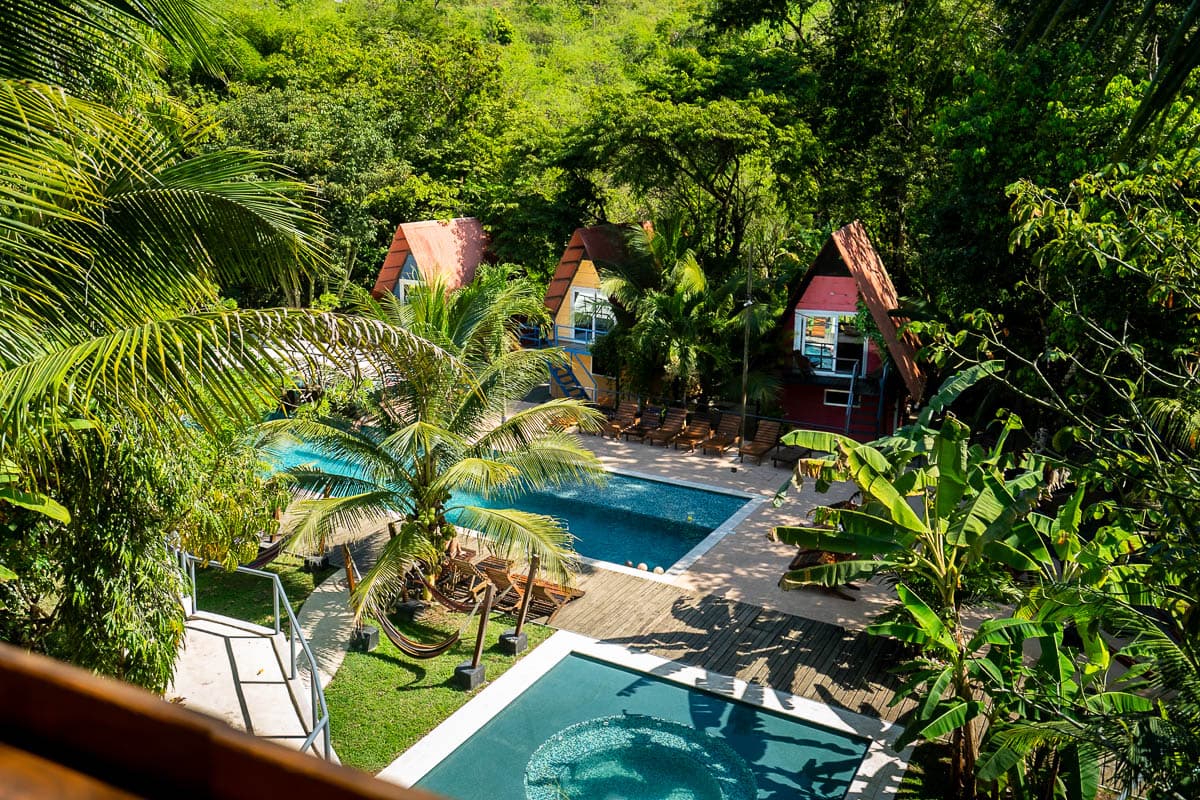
{"x": 381, "y": 703}
{"x": 248, "y": 597}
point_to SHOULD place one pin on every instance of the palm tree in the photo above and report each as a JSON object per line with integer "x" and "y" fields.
{"x": 114, "y": 242}
{"x": 668, "y": 316}
{"x": 442, "y": 429}
{"x": 478, "y": 322}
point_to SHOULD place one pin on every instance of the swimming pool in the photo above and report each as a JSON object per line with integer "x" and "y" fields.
{"x": 632, "y": 518}
{"x": 583, "y": 719}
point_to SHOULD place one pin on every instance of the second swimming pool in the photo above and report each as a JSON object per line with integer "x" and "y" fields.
{"x": 591, "y": 730}
{"x": 630, "y": 519}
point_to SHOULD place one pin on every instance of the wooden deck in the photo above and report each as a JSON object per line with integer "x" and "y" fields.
{"x": 805, "y": 657}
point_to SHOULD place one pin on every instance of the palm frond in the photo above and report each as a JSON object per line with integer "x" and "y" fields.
{"x": 335, "y": 520}
{"x": 385, "y": 579}
{"x": 513, "y": 533}
{"x": 67, "y": 42}
{"x": 555, "y": 459}
{"x": 531, "y": 424}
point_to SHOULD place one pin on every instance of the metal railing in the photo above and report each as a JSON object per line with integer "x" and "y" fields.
{"x": 297, "y": 645}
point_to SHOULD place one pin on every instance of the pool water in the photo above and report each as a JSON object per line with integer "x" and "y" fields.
{"x": 628, "y": 519}
{"x": 591, "y": 730}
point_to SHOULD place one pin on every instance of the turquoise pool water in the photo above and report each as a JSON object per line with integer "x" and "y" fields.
{"x": 590, "y": 730}
{"x": 628, "y": 519}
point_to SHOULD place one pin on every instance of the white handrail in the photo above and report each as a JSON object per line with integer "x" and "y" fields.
{"x": 320, "y": 711}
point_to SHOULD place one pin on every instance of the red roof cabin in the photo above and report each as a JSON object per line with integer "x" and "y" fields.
{"x": 838, "y": 379}
{"x": 446, "y": 250}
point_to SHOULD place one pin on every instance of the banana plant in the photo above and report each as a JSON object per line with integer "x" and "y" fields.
{"x": 930, "y": 519}
{"x": 948, "y": 679}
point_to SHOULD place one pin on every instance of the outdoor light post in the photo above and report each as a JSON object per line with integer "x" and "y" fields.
{"x": 514, "y": 641}
{"x": 746, "y": 306}
{"x": 469, "y": 675}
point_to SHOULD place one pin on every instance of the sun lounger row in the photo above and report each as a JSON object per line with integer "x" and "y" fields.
{"x": 674, "y": 429}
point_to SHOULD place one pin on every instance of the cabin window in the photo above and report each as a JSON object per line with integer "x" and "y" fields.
{"x": 410, "y": 276}
{"x": 591, "y": 314}
{"x": 840, "y": 398}
{"x": 831, "y": 342}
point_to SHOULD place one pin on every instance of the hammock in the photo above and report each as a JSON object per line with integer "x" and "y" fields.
{"x": 445, "y": 599}
{"x": 268, "y": 554}
{"x": 407, "y": 646}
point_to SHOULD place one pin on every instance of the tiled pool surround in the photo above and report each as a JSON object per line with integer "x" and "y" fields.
{"x": 877, "y": 776}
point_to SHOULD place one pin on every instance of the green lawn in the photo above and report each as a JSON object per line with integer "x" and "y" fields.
{"x": 248, "y": 597}
{"x": 381, "y": 703}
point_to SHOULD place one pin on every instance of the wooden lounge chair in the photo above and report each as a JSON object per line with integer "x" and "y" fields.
{"x": 625, "y": 418}
{"x": 696, "y": 433}
{"x": 495, "y": 562}
{"x": 765, "y": 440}
{"x": 551, "y": 598}
{"x": 508, "y": 592}
{"x": 651, "y": 419}
{"x": 728, "y": 434}
{"x": 672, "y": 426}
{"x": 460, "y": 579}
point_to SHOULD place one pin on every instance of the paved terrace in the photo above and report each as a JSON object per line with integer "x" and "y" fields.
{"x": 746, "y": 565}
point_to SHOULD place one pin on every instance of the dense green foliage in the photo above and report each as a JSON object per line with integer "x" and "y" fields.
{"x": 101, "y": 590}
{"x": 1026, "y": 168}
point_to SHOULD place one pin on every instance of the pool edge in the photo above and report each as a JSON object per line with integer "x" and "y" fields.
{"x": 878, "y": 775}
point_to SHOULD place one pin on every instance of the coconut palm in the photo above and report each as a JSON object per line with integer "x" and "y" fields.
{"x": 114, "y": 242}
{"x": 478, "y": 322}
{"x": 442, "y": 429}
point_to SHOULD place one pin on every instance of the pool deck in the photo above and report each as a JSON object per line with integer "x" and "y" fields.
{"x": 805, "y": 657}
{"x": 745, "y": 565}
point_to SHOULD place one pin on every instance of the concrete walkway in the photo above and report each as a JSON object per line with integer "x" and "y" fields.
{"x": 238, "y": 672}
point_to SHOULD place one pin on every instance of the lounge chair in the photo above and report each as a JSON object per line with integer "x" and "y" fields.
{"x": 551, "y": 597}
{"x": 728, "y": 434}
{"x": 495, "y": 562}
{"x": 651, "y": 419}
{"x": 672, "y": 426}
{"x": 765, "y": 440}
{"x": 786, "y": 455}
{"x": 508, "y": 592}
{"x": 462, "y": 579}
{"x": 625, "y": 418}
{"x": 696, "y": 433}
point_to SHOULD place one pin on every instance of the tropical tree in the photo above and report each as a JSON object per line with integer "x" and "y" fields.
{"x": 442, "y": 430}
{"x": 478, "y": 322}
{"x": 115, "y": 242}
{"x": 669, "y": 317}
{"x": 935, "y": 516}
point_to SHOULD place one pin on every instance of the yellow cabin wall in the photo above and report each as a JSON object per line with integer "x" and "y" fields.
{"x": 586, "y": 277}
